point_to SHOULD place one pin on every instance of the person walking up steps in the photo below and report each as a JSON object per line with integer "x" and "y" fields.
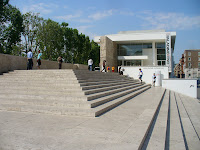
{"x": 104, "y": 66}
{"x": 153, "y": 80}
{"x": 140, "y": 75}
{"x": 90, "y": 63}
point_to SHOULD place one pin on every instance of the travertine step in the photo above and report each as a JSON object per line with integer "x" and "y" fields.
{"x": 145, "y": 107}
{"x": 160, "y": 127}
{"x": 102, "y": 89}
{"x": 176, "y": 135}
{"x": 98, "y": 101}
{"x": 105, "y": 93}
{"x": 66, "y": 91}
{"x": 190, "y": 132}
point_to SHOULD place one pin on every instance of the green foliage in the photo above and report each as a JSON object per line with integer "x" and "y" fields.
{"x": 10, "y": 26}
{"x": 52, "y": 38}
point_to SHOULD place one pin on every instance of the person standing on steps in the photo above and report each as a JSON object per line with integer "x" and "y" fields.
{"x": 90, "y": 63}
{"x": 140, "y": 74}
{"x": 60, "y": 62}
{"x": 104, "y": 66}
{"x": 39, "y": 59}
{"x": 30, "y": 60}
{"x": 153, "y": 80}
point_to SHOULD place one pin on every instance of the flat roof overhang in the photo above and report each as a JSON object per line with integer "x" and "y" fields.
{"x": 139, "y": 37}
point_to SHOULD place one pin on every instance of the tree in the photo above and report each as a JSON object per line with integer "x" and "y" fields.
{"x": 50, "y": 39}
{"x": 10, "y": 26}
{"x": 31, "y": 24}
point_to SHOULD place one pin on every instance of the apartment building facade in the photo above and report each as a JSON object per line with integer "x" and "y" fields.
{"x": 192, "y": 63}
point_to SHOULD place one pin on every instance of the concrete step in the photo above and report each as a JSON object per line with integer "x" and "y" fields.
{"x": 38, "y": 92}
{"x": 192, "y": 106}
{"x": 43, "y": 84}
{"x": 55, "y": 110}
{"x": 42, "y": 71}
{"x": 105, "y": 93}
{"x": 43, "y": 97}
{"x": 40, "y": 87}
{"x": 108, "y": 88}
{"x": 144, "y": 106}
{"x": 106, "y": 85}
{"x": 40, "y": 81}
{"x": 97, "y": 82}
{"x": 37, "y": 79}
{"x": 55, "y": 102}
{"x": 105, "y": 99}
{"x": 159, "y": 128}
{"x": 112, "y": 104}
{"x": 176, "y": 140}
{"x": 191, "y": 136}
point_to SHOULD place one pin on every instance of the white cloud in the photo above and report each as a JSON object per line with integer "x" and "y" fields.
{"x": 101, "y": 15}
{"x": 40, "y": 8}
{"x": 83, "y": 29}
{"x": 170, "y": 21}
{"x": 68, "y": 17}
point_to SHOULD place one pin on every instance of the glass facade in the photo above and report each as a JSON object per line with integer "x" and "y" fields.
{"x": 132, "y": 49}
{"x": 139, "y": 49}
{"x": 161, "y": 54}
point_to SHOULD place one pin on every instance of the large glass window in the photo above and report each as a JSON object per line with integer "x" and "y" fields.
{"x": 132, "y": 49}
{"x": 160, "y": 45}
{"x": 132, "y": 62}
{"x": 161, "y": 54}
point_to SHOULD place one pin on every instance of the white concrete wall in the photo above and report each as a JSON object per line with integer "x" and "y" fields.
{"x": 184, "y": 86}
{"x": 132, "y": 71}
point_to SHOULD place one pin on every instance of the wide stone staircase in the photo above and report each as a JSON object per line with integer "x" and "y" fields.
{"x": 172, "y": 123}
{"x": 156, "y": 119}
{"x": 66, "y": 92}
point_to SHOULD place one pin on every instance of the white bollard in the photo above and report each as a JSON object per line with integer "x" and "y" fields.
{"x": 158, "y": 78}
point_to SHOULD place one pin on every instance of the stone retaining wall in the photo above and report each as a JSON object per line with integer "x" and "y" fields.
{"x": 10, "y": 63}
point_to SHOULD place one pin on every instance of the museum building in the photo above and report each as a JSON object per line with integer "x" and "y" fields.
{"x": 148, "y": 49}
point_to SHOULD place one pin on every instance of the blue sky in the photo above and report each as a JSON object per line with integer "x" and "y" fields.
{"x": 101, "y": 17}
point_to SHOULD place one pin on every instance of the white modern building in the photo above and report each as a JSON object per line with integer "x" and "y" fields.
{"x": 150, "y": 50}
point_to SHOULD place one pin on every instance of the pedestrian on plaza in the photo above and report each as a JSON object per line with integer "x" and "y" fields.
{"x": 140, "y": 74}
{"x": 113, "y": 69}
{"x": 39, "y": 59}
{"x": 104, "y": 66}
{"x": 60, "y": 62}
{"x": 108, "y": 69}
{"x": 90, "y": 63}
{"x": 119, "y": 70}
{"x": 153, "y": 80}
{"x": 29, "y": 60}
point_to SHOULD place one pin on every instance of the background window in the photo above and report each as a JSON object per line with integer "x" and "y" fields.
{"x": 189, "y": 64}
{"x": 189, "y": 58}
{"x": 199, "y": 59}
{"x": 189, "y": 53}
{"x": 198, "y": 53}
{"x": 198, "y": 65}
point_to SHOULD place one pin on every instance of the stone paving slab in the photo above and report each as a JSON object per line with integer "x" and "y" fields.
{"x": 39, "y": 131}
{"x": 26, "y": 131}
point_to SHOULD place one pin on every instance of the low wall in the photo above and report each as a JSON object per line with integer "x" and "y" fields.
{"x": 187, "y": 87}
{"x": 132, "y": 71}
{"x": 10, "y": 63}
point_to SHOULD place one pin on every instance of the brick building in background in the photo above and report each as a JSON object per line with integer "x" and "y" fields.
{"x": 178, "y": 69}
{"x": 192, "y": 63}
